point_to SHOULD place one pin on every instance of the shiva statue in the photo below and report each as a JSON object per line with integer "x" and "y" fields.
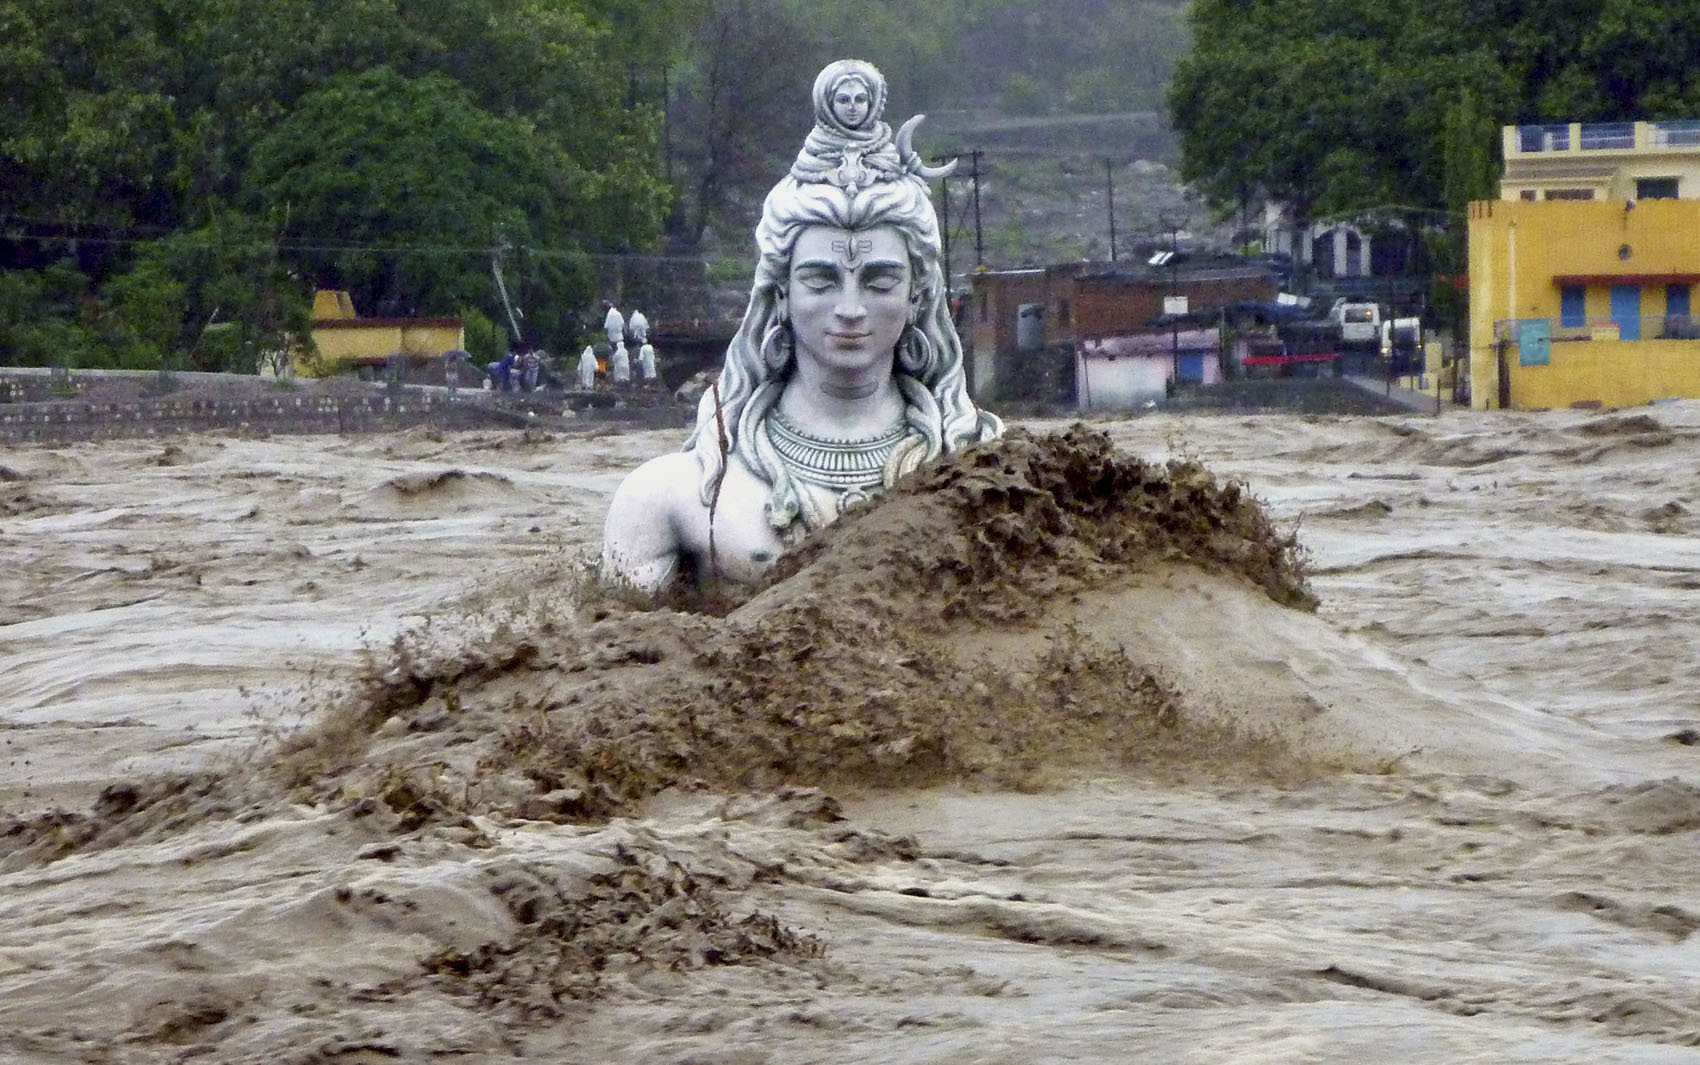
{"x": 845, "y": 374}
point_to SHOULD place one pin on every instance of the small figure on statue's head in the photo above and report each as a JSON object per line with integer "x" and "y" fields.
{"x": 849, "y": 98}
{"x": 852, "y": 101}
{"x": 845, "y": 374}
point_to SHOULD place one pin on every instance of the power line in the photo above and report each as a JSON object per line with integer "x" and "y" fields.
{"x": 260, "y": 247}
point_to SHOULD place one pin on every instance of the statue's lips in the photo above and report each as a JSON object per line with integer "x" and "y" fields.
{"x": 849, "y": 338}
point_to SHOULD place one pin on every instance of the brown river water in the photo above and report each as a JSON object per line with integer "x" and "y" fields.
{"x": 1216, "y": 739}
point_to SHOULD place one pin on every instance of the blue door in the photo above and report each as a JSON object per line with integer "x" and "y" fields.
{"x": 1191, "y": 367}
{"x": 1626, "y": 311}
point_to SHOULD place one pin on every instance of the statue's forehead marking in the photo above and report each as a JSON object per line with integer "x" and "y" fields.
{"x": 853, "y": 248}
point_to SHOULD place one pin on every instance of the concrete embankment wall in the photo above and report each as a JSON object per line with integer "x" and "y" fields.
{"x": 1319, "y": 395}
{"x": 72, "y": 420}
{"x": 38, "y": 405}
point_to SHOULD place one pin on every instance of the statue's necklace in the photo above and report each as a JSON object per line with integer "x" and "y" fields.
{"x": 840, "y": 465}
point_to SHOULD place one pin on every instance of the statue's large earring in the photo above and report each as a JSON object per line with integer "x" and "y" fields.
{"x": 914, "y": 352}
{"x": 776, "y": 346}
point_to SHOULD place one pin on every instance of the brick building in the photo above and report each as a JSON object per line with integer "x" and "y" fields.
{"x": 1015, "y": 316}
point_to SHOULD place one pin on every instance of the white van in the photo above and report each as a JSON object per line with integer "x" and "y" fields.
{"x": 1359, "y": 321}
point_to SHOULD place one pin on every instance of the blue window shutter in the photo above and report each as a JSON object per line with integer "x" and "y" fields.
{"x": 1573, "y": 306}
{"x": 1626, "y": 311}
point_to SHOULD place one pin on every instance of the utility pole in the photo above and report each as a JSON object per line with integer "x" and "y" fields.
{"x": 1175, "y": 287}
{"x": 502, "y": 286}
{"x": 666, "y": 125}
{"x": 1110, "y": 189}
{"x": 979, "y": 235}
{"x": 944, "y": 234}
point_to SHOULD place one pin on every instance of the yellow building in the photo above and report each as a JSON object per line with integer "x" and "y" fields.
{"x": 1581, "y": 274}
{"x": 346, "y": 341}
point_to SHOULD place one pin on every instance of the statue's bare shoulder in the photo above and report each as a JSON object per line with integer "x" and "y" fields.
{"x": 657, "y": 521}
{"x": 648, "y": 519}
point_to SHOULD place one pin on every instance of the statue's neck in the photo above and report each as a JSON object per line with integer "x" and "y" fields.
{"x": 835, "y": 407}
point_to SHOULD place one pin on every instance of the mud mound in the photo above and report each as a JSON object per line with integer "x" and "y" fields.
{"x": 440, "y": 488}
{"x": 846, "y": 670}
{"x": 16, "y": 500}
{"x": 1628, "y": 425}
{"x": 124, "y": 811}
{"x": 16, "y": 497}
{"x": 646, "y": 909}
{"x": 1003, "y": 526}
{"x": 924, "y": 639}
{"x": 439, "y": 483}
{"x": 172, "y": 455}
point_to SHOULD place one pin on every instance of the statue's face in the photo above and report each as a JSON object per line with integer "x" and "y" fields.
{"x": 849, "y": 297}
{"x": 851, "y": 102}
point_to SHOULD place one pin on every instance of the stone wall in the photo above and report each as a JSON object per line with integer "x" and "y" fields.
{"x": 1284, "y": 395}
{"x": 72, "y": 420}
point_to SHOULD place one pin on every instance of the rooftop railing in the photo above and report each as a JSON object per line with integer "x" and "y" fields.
{"x": 1607, "y": 136}
{"x": 1600, "y": 135}
{"x": 1684, "y": 134}
{"x": 1543, "y": 138}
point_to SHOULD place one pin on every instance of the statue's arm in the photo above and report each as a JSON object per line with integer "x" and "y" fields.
{"x": 643, "y": 542}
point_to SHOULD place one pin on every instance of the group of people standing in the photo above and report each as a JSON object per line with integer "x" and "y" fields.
{"x": 521, "y": 370}
{"x": 616, "y": 360}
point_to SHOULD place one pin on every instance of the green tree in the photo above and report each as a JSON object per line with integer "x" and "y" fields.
{"x": 742, "y": 108}
{"x": 416, "y": 182}
{"x": 234, "y": 282}
{"x": 1335, "y": 106}
{"x": 127, "y": 121}
{"x": 148, "y": 305}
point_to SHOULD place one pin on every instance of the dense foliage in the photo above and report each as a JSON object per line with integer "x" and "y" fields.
{"x": 1334, "y": 106}
{"x": 176, "y": 176}
{"x": 211, "y": 160}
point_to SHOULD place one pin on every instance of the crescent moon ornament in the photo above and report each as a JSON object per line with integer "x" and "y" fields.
{"x": 911, "y": 159}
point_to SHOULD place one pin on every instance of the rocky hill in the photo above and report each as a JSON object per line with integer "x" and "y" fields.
{"x": 1046, "y": 187}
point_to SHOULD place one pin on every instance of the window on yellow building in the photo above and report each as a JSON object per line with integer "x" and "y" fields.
{"x": 1655, "y": 188}
{"x": 1572, "y": 306}
{"x": 1678, "y": 323}
{"x": 1570, "y": 194}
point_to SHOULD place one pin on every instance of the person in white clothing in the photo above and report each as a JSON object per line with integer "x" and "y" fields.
{"x": 646, "y": 364}
{"x": 614, "y": 323}
{"x": 620, "y": 366}
{"x": 587, "y": 368}
{"x": 638, "y": 326}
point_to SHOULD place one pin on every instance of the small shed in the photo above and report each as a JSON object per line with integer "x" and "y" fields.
{"x": 1132, "y": 371}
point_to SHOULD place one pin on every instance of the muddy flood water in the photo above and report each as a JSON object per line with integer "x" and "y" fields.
{"x": 1202, "y": 740}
